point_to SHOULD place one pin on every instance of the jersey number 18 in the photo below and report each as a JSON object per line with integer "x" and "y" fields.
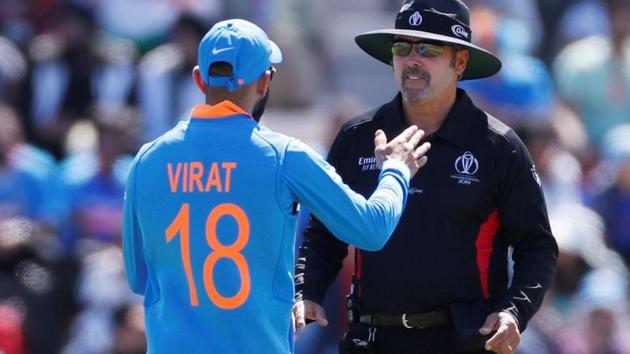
{"x": 181, "y": 225}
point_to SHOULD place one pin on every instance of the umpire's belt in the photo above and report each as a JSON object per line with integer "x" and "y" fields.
{"x": 408, "y": 320}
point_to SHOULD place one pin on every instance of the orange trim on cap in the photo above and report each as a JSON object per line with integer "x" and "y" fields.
{"x": 221, "y": 110}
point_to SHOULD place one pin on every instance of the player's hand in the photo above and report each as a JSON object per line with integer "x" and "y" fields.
{"x": 402, "y": 147}
{"x": 308, "y": 310}
{"x": 506, "y": 337}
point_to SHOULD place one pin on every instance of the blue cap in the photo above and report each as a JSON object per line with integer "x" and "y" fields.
{"x": 241, "y": 44}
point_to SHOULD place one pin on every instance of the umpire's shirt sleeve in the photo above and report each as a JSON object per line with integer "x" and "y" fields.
{"x": 525, "y": 223}
{"x": 321, "y": 254}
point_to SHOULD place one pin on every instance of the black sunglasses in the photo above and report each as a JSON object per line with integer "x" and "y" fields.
{"x": 426, "y": 50}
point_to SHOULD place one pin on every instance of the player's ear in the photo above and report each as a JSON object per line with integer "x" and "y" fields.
{"x": 196, "y": 74}
{"x": 263, "y": 83}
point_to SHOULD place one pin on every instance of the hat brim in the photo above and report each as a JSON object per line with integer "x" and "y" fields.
{"x": 276, "y": 53}
{"x": 378, "y": 44}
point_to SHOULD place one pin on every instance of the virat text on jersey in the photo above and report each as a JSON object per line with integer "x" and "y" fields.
{"x": 195, "y": 176}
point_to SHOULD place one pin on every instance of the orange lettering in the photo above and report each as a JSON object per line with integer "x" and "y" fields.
{"x": 231, "y": 252}
{"x": 191, "y": 176}
{"x": 214, "y": 179}
{"x": 196, "y": 172}
{"x": 181, "y": 225}
{"x": 185, "y": 179}
{"x": 173, "y": 179}
{"x": 228, "y": 166}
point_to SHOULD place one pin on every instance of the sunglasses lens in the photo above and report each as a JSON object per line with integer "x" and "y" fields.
{"x": 401, "y": 49}
{"x": 429, "y": 50}
{"x": 425, "y": 50}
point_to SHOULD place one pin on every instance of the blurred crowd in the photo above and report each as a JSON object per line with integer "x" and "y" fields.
{"x": 83, "y": 83}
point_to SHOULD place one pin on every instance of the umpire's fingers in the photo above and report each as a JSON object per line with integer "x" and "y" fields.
{"x": 298, "y": 316}
{"x": 500, "y": 339}
{"x": 490, "y": 325}
{"x": 507, "y": 336}
{"x": 319, "y": 316}
{"x": 314, "y": 311}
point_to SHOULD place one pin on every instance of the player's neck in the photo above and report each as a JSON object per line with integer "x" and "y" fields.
{"x": 245, "y": 100}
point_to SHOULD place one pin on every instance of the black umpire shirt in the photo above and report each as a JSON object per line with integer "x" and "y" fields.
{"x": 477, "y": 195}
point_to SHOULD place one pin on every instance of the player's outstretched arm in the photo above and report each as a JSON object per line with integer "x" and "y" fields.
{"x": 348, "y": 215}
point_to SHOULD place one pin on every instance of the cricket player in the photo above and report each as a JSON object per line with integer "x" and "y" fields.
{"x": 210, "y": 208}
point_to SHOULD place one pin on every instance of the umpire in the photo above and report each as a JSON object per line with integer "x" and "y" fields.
{"x": 441, "y": 284}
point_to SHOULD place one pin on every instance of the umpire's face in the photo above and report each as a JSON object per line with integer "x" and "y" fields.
{"x": 426, "y": 70}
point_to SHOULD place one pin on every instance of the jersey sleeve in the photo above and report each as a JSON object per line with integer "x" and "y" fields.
{"x": 132, "y": 246}
{"x": 321, "y": 255}
{"x": 368, "y": 224}
{"x": 524, "y": 220}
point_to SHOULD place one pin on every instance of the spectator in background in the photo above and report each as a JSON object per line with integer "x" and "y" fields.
{"x": 94, "y": 182}
{"x": 13, "y": 71}
{"x": 129, "y": 332}
{"x": 523, "y": 89}
{"x": 582, "y": 18}
{"x": 165, "y": 90}
{"x": 33, "y": 271}
{"x": 559, "y": 171}
{"x": 580, "y": 233}
{"x": 25, "y": 174}
{"x": 119, "y": 18}
{"x": 522, "y": 17}
{"x": 15, "y": 22}
{"x": 600, "y": 325}
{"x": 102, "y": 292}
{"x": 612, "y": 200}
{"x": 11, "y": 331}
{"x": 593, "y": 75}
{"x": 74, "y": 68}
{"x": 565, "y": 21}
{"x": 32, "y": 290}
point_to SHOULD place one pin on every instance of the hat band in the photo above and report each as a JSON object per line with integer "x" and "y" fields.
{"x": 432, "y": 22}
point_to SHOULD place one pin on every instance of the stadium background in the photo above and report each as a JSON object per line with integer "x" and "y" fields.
{"x": 83, "y": 83}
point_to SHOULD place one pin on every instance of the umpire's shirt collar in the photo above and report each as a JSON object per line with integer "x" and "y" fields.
{"x": 455, "y": 127}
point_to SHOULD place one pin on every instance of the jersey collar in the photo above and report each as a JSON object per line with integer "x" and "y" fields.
{"x": 223, "y": 109}
{"x": 459, "y": 121}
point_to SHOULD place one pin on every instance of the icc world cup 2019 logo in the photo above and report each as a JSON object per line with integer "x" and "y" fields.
{"x": 415, "y": 19}
{"x": 467, "y": 164}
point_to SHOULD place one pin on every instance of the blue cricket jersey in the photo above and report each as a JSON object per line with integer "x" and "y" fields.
{"x": 208, "y": 230}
